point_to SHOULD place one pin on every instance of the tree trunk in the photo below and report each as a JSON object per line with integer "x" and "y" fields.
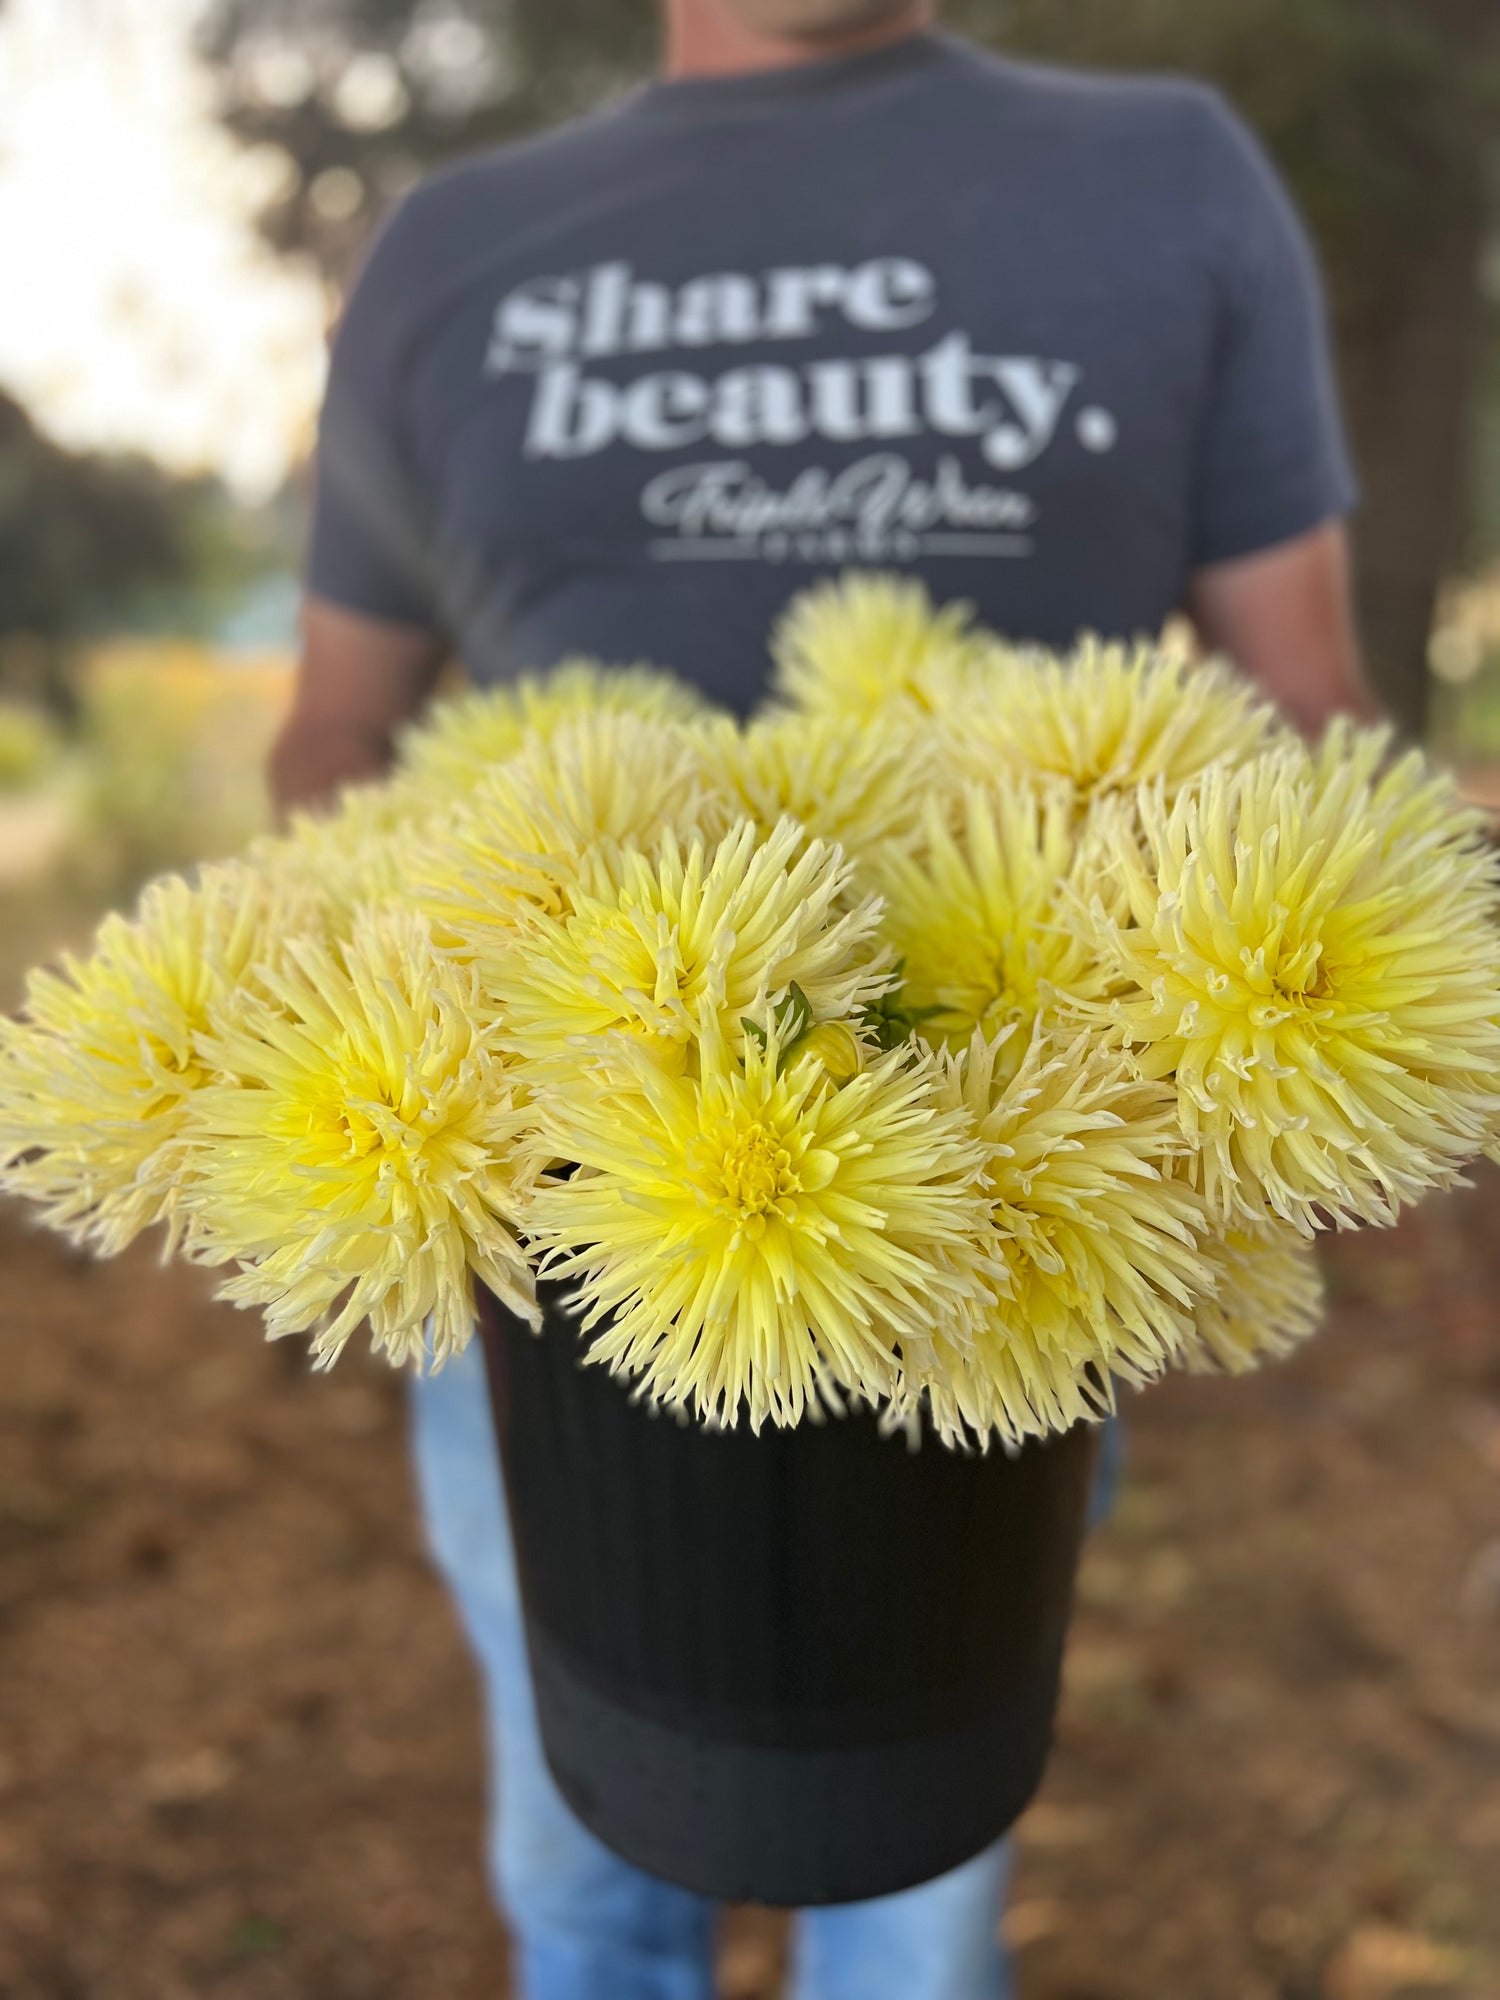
{"x": 1411, "y": 378}
{"x": 1409, "y": 381}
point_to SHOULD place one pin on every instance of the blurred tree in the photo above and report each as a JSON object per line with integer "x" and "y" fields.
{"x": 1385, "y": 115}
{"x": 84, "y": 537}
{"x": 362, "y": 96}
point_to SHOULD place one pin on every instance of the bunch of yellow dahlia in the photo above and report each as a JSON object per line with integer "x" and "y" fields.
{"x": 970, "y": 1032}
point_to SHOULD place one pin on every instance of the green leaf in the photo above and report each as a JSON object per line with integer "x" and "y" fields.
{"x": 798, "y": 1014}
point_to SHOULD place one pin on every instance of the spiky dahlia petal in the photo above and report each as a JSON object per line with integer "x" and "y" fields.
{"x": 865, "y": 640}
{"x": 359, "y": 852}
{"x": 454, "y": 747}
{"x": 862, "y": 782}
{"x": 1313, "y": 951}
{"x": 1098, "y": 1242}
{"x": 521, "y": 840}
{"x": 746, "y": 1236}
{"x": 98, "y": 1074}
{"x": 1267, "y": 1299}
{"x": 368, "y": 1151}
{"x": 978, "y": 914}
{"x": 661, "y": 937}
{"x": 1105, "y": 719}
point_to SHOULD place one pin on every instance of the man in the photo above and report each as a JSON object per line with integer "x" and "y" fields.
{"x": 835, "y": 291}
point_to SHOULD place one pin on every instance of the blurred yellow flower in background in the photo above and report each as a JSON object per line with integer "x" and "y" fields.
{"x": 1268, "y": 1298}
{"x": 1105, "y": 718}
{"x": 360, "y": 852}
{"x": 520, "y": 840}
{"x": 172, "y": 743}
{"x": 863, "y": 784}
{"x": 452, "y": 748}
{"x": 861, "y": 642}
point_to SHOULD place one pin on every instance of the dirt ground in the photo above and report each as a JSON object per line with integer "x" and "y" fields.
{"x": 238, "y": 1731}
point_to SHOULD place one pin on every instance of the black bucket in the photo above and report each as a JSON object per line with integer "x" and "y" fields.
{"x": 806, "y": 1667}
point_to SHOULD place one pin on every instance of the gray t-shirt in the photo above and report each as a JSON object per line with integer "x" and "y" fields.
{"x": 1050, "y": 341}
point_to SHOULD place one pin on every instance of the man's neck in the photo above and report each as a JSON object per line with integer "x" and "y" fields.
{"x": 704, "y": 40}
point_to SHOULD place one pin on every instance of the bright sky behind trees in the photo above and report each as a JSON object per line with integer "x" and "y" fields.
{"x": 139, "y": 308}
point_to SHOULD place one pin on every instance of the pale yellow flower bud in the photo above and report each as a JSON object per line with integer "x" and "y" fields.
{"x": 836, "y": 1046}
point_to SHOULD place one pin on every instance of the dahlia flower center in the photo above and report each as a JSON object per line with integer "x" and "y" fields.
{"x": 1272, "y": 980}
{"x": 363, "y": 1133}
{"x": 1303, "y": 973}
{"x": 179, "y": 1063}
{"x": 757, "y": 1172}
{"x": 1002, "y": 1012}
{"x": 1287, "y": 973}
{"x": 1013, "y": 985}
{"x": 373, "y": 1124}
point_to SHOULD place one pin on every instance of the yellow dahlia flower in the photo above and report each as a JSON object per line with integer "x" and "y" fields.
{"x": 1107, "y": 719}
{"x": 1268, "y": 1298}
{"x": 452, "y": 748}
{"x": 729, "y": 930}
{"x": 360, "y": 852}
{"x": 367, "y": 1156}
{"x": 861, "y": 783}
{"x": 97, "y": 1076}
{"x": 1314, "y": 953}
{"x": 980, "y": 916}
{"x": 858, "y": 644}
{"x": 519, "y": 841}
{"x": 1097, "y": 1242}
{"x": 763, "y": 1238}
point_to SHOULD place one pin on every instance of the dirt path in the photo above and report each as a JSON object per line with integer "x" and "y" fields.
{"x": 237, "y": 1730}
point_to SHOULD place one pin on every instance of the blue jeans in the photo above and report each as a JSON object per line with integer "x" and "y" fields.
{"x": 584, "y": 1924}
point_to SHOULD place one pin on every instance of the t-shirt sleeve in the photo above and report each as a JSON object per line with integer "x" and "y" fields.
{"x": 370, "y": 546}
{"x": 1273, "y": 460}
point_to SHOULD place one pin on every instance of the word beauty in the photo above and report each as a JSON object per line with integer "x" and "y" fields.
{"x": 1011, "y": 404}
{"x": 551, "y": 327}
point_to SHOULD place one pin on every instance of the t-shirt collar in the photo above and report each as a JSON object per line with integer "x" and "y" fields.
{"x": 789, "y": 83}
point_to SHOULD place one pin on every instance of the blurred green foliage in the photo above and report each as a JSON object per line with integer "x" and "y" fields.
{"x": 30, "y": 746}
{"x": 80, "y": 532}
{"x": 360, "y": 97}
{"x": 1465, "y": 653}
{"x": 1466, "y": 720}
{"x": 91, "y": 542}
{"x": 160, "y": 768}
{"x": 170, "y": 750}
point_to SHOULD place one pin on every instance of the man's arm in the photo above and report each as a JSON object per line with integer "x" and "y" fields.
{"x": 1285, "y": 617}
{"x": 358, "y": 680}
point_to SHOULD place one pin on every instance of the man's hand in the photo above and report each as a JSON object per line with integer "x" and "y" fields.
{"x": 1285, "y": 617}
{"x": 358, "y": 681}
